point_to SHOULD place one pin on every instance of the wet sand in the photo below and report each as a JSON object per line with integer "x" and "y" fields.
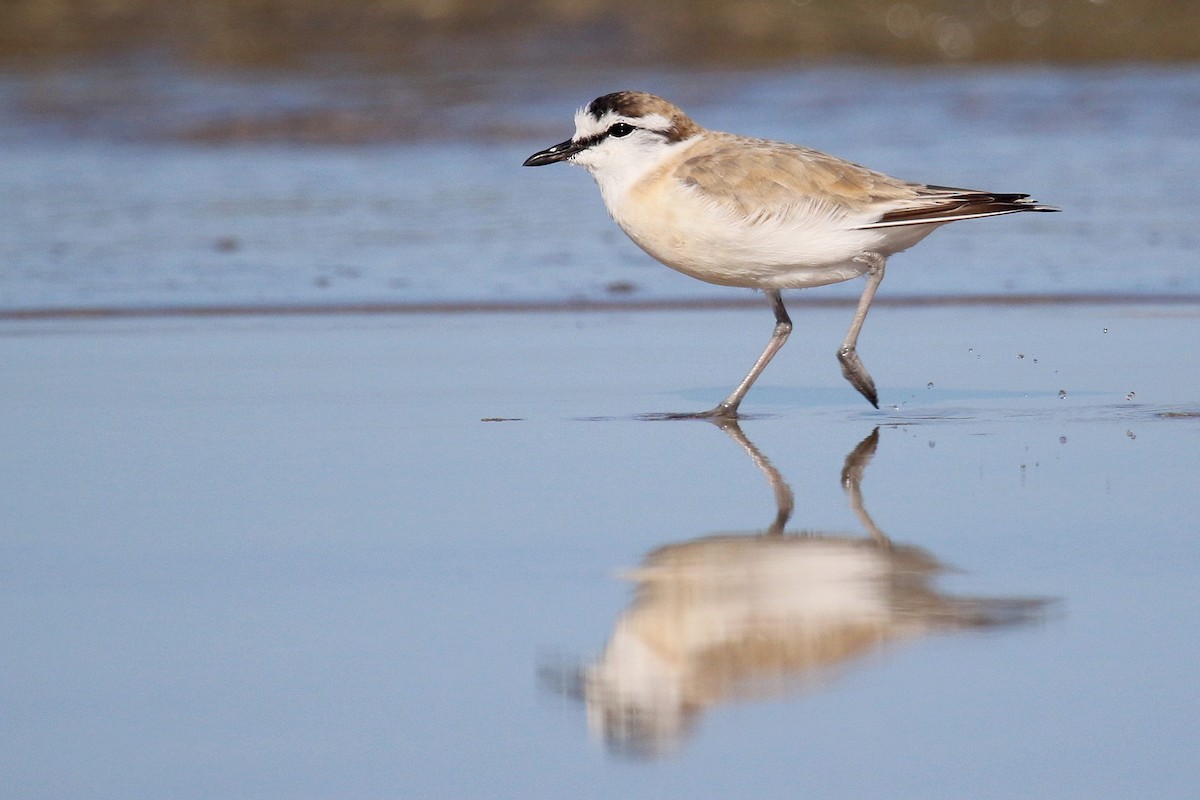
{"x": 286, "y": 556}
{"x": 739, "y": 300}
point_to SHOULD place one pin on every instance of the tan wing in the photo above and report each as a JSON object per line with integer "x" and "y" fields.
{"x": 763, "y": 180}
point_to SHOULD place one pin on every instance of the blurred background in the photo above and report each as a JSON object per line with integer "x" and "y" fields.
{"x": 316, "y": 153}
{"x": 408, "y": 35}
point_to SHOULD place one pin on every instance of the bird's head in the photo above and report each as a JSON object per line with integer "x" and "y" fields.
{"x": 620, "y": 133}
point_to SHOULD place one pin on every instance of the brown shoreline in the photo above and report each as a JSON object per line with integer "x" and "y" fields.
{"x": 423, "y": 34}
{"x": 583, "y": 306}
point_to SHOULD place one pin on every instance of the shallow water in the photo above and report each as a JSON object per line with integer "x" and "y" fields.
{"x": 439, "y": 554}
{"x": 288, "y": 558}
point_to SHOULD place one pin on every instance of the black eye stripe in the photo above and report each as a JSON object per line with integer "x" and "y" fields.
{"x": 594, "y": 139}
{"x": 617, "y": 129}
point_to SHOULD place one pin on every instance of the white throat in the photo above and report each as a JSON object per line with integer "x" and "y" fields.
{"x": 618, "y": 166}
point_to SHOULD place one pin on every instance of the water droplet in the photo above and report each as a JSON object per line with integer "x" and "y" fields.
{"x": 1062, "y": 440}
{"x": 1130, "y": 396}
{"x": 1062, "y": 394}
{"x": 929, "y": 385}
{"x": 1035, "y": 361}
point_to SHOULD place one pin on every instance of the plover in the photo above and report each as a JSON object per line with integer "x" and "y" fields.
{"x": 738, "y": 211}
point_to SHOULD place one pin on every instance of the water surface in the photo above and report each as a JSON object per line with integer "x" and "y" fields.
{"x": 284, "y": 557}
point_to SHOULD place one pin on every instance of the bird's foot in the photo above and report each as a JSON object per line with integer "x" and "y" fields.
{"x": 720, "y": 413}
{"x": 854, "y": 371}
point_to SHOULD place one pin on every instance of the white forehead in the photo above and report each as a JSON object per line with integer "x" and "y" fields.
{"x": 587, "y": 126}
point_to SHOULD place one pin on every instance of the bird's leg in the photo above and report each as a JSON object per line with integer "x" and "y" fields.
{"x": 783, "y": 326}
{"x": 852, "y": 367}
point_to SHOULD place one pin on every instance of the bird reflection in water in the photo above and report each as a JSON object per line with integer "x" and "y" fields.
{"x": 733, "y": 617}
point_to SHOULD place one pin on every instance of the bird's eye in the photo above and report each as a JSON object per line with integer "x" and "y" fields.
{"x": 620, "y": 129}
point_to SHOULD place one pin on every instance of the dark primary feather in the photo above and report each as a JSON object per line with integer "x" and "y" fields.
{"x": 945, "y": 204}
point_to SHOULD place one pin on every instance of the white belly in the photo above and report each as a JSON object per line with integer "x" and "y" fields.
{"x": 809, "y": 245}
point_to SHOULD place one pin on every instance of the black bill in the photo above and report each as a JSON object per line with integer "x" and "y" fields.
{"x": 560, "y": 152}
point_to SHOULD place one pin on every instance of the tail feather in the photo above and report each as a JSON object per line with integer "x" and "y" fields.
{"x": 944, "y": 204}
